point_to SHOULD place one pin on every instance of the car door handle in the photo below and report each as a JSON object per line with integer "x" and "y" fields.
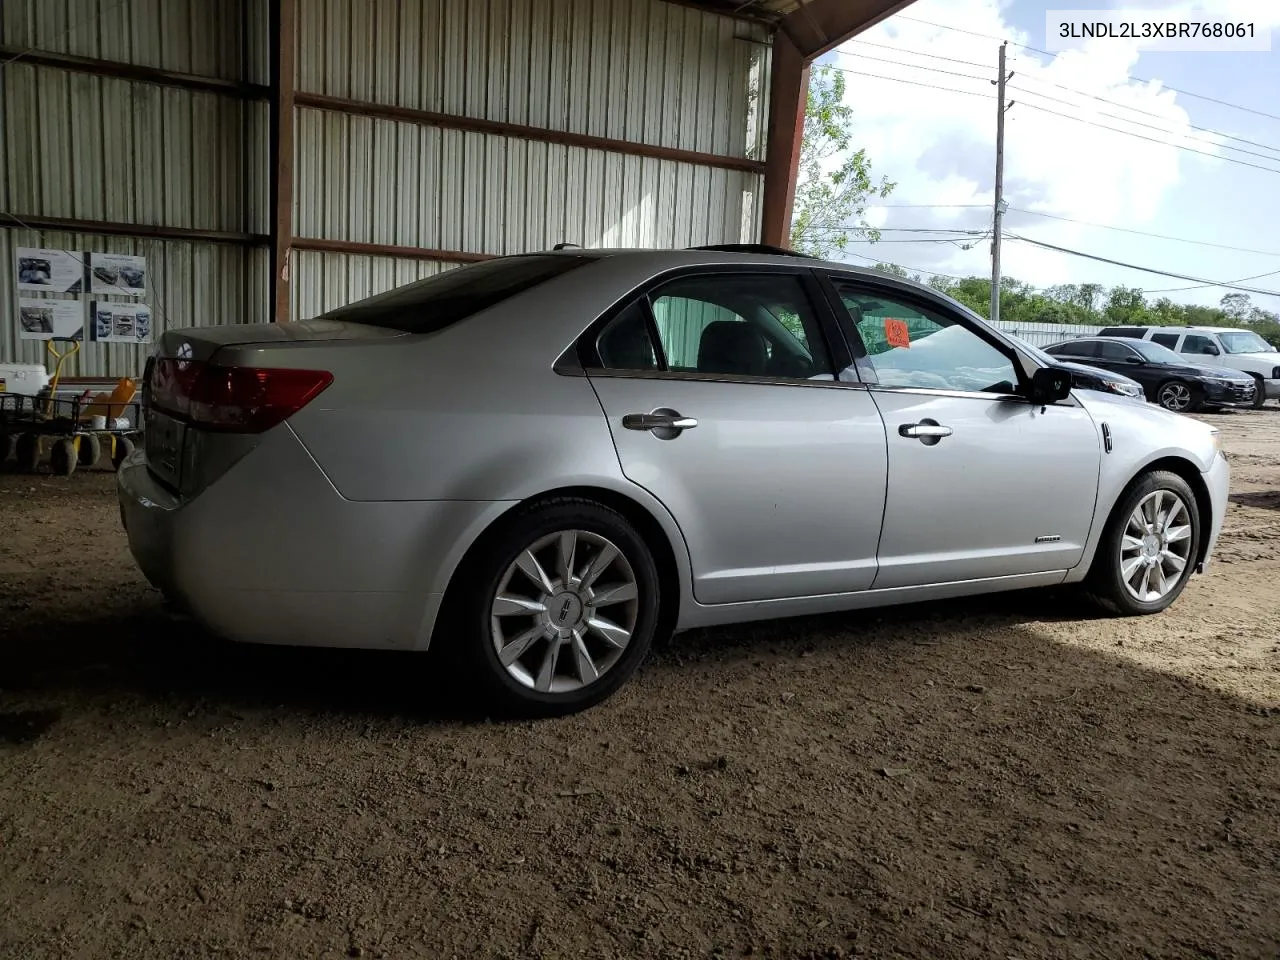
{"x": 658, "y": 421}
{"x": 924, "y": 430}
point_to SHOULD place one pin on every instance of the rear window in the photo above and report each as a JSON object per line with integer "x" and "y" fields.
{"x": 426, "y": 306}
{"x": 1134, "y": 333}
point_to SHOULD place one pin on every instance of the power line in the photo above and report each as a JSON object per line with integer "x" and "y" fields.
{"x": 1134, "y": 266}
{"x": 1149, "y": 126}
{"x": 890, "y": 263}
{"x": 913, "y": 66}
{"x": 1163, "y": 143}
{"x": 1144, "y": 233}
{"x": 1201, "y": 286}
{"x": 914, "y": 83}
{"x": 1052, "y": 56}
{"x": 916, "y": 53}
{"x": 930, "y": 206}
{"x": 1139, "y": 110}
{"x": 1035, "y": 106}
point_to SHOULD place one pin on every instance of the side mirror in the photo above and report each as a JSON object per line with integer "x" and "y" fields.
{"x": 1212, "y": 350}
{"x": 1049, "y": 385}
{"x": 1136, "y": 361}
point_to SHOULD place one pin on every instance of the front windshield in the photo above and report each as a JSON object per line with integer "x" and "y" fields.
{"x": 1154, "y": 352}
{"x": 1245, "y": 342}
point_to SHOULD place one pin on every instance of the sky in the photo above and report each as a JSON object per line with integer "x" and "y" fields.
{"x": 938, "y": 145}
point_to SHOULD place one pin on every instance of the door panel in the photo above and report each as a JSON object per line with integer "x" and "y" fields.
{"x": 779, "y": 489}
{"x": 972, "y": 504}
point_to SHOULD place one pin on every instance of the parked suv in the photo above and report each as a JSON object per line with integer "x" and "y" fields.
{"x": 1232, "y": 347}
{"x": 1169, "y": 379}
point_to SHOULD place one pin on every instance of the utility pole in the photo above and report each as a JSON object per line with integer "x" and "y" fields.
{"x": 1000, "y": 205}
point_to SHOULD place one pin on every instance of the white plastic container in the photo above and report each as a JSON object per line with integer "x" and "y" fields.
{"x": 27, "y": 379}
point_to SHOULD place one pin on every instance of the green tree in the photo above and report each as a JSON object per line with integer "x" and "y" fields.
{"x": 1126, "y": 306}
{"x": 834, "y": 181}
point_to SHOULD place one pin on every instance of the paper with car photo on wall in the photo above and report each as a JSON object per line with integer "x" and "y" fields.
{"x": 117, "y": 274}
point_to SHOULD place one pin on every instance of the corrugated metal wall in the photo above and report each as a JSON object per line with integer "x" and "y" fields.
{"x": 1043, "y": 334}
{"x": 649, "y": 72}
{"x": 88, "y": 147}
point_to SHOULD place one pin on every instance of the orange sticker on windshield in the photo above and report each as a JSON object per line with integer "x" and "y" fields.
{"x": 897, "y": 332}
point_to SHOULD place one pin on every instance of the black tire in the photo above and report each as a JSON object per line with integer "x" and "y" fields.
{"x": 90, "y": 451}
{"x": 1172, "y": 393}
{"x": 1105, "y": 583}
{"x": 62, "y": 457}
{"x": 466, "y": 631}
{"x": 28, "y": 452}
{"x": 124, "y": 447}
{"x": 1259, "y": 394}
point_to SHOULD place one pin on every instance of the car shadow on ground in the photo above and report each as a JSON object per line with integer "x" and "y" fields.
{"x": 1267, "y": 499}
{"x": 148, "y": 652}
{"x": 940, "y": 780}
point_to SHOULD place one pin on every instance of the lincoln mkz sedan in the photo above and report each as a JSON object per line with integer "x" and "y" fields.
{"x": 540, "y": 463}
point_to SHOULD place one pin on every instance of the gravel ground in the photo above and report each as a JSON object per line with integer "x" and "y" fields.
{"x": 1005, "y": 778}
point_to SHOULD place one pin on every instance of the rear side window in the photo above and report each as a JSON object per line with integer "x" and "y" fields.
{"x": 429, "y": 305}
{"x": 1135, "y": 333}
{"x": 1169, "y": 340}
{"x": 1075, "y": 348}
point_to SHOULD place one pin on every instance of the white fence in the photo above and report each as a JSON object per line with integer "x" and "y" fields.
{"x": 1043, "y": 334}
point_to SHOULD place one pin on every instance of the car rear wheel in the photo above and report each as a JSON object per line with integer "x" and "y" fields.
{"x": 1149, "y": 546}
{"x": 1259, "y": 393}
{"x": 556, "y": 608}
{"x": 1178, "y": 396}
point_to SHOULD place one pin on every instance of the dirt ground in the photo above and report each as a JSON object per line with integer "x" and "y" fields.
{"x": 1010, "y": 778}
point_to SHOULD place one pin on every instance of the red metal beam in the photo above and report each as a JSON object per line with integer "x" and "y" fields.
{"x": 388, "y": 250}
{"x": 130, "y": 71}
{"x": 788, "y": 89}
{"x": 283, "y": 30}
{"x": 362, "y": 108}
{"x": 815, "y": 28}
{"x": 145, "y": 231}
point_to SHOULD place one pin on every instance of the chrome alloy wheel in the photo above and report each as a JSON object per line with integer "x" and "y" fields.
{"x": 1175, "y": 396}
{"x": 1155, "y": 547}
{"x": 564, "y": 611}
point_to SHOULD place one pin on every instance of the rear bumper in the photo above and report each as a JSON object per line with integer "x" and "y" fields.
{"x": 1218, "y": 479}
{"x": 271, "y": 553}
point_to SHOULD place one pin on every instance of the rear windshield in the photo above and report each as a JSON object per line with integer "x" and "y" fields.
{"x": 426, "y": 306}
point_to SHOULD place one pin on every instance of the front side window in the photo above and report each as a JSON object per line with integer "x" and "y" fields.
{"x": 909, "y": 348}
{"x": 1202, "y": 346}
{"x": 738, "y": 325}
{"x": 1075, "y": 348}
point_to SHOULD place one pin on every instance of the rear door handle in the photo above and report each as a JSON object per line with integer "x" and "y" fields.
{"x": 658, "y": 420}
{"x": 926, "y": 431}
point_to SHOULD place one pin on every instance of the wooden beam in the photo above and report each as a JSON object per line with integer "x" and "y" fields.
{"x": 145, "y": 231}
{"x": 363, "y": 108}
{"x": 283, "y": 41}
{"x": 788, "y": 90}
{"x": 130, "y": 71}
{"x": 388, "y": 250}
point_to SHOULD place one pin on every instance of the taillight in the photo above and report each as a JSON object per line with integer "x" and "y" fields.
{"x": 232, "y": 399}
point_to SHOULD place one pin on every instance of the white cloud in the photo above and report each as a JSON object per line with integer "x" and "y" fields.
{"x": 939, "y": 146}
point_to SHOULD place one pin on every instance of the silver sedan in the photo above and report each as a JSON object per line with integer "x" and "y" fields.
{"x": 542, "y": 462}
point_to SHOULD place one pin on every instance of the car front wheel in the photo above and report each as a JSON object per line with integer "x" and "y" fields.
{"x": 1178, "y": 396}
{"x": 1259, "y": 393}
{"x": 556, "y": 608}
{"x": 1149, "y": 546}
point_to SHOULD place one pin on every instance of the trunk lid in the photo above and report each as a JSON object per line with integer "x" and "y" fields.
{"x": 172, "y": 445}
